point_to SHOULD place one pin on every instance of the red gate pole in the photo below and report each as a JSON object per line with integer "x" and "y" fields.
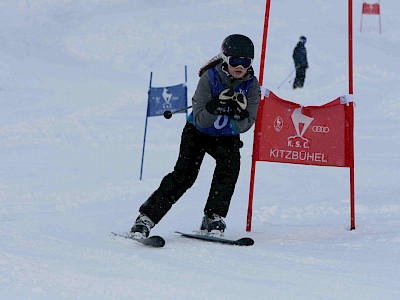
{"x": 362, "y": 7}
{"x": 261, "y": 77}
{"x": 380, "y": 28}
{"x": 351, "y": 104}
{"x": 264, "y": 42}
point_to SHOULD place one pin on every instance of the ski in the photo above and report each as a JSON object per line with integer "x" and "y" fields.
{"x": 152, "y": 241}
{"x": 246, "y": 241}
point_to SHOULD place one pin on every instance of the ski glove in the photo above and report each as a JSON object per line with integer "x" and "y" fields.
{"x": 238, "y": 107}
{"x": 237, "y": 112}
{"x": 220, "y": 105}
{"x": 228, "y": 102}
{"x": 239, "y": 100}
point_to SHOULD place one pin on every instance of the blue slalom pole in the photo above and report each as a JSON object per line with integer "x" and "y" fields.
{"x": 186, "y": 92}
{"x": 145, "y": 127}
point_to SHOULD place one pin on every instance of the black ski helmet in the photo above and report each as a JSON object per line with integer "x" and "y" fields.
{"x": 238, "y": 45}
{"x": 303, "y": 39}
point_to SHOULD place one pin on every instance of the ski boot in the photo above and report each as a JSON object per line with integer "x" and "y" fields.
{"x": 141, "y": 228}
{"x": 214, "y": 225}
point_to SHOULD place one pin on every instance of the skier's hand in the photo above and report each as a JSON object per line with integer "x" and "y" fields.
{"x": 238, "y": 107}
{"x": 237, "y": 111}
{"x": 221, "y": 104}
{"x": 231, "y": 103}
{"x": 228, "y": 96}
{"x": 240, "y": 100}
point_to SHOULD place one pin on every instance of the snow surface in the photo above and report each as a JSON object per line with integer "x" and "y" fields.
{"x": 74, "y": 77}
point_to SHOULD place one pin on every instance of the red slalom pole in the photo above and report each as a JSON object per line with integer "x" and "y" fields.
{"x": 261, "y": 78}
{"x": 351, "y": 117}
{"x": 264, "y": 42}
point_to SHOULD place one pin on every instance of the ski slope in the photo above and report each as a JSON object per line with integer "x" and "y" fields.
{"x": 74, "y": 77}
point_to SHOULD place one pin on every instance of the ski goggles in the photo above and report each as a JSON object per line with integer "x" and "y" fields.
{"x": 235, "y": 62}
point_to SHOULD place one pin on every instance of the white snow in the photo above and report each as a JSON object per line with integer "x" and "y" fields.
{"x": 74, "y": 77}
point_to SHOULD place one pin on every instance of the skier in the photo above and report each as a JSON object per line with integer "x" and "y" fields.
{"x": 224, "y": 105}
{"x": 300, "y": 62}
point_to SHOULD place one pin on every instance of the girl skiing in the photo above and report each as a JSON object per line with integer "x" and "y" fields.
{"x": 224, "y": 105}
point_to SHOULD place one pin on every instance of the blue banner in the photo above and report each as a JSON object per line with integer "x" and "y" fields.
{"x": 166, "y": 98}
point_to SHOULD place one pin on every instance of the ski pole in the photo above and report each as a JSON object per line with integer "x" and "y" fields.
{"x": 286, "y": 78}
{"x": 168, "y": 114}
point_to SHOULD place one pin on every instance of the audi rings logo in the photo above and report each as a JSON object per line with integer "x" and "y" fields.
{"x": 320, "y": 129}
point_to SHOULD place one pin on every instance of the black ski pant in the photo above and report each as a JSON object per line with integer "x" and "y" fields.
{"x": 194, "y": 145}
{"x": 300, "y": 77}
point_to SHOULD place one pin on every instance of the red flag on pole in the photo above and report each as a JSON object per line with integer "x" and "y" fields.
{"x": 329, "y": 143}
{"x": 371, "y": 9}
{"x": 287, "y": 132}
{"x": 311, "y": 135}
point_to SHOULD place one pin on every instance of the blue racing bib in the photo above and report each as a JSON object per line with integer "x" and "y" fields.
{"x": 224, "y": 125}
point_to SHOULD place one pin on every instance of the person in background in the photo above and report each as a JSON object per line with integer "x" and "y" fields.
{"x": 224, "y": 105}
{"x": 300, "y": 62}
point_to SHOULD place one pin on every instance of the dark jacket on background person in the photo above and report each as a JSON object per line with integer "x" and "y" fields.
{"x": 300, "y": 63}
{"x": 300, "y": 56}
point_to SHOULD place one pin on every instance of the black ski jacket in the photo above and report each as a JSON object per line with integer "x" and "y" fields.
{"x": 300, "y": 56}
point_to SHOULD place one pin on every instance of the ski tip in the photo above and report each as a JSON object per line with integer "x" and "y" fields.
{"x": 158, "y": 241}
{"x": 245, "y": 241}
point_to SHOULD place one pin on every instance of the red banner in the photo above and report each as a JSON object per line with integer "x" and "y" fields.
{"x": 286, "y": 132}
{"x": 370, "y": 9}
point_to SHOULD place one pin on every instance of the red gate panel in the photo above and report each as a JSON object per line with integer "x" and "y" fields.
{"x": 312, "y": 135}
{"x": 371, "y": 9}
